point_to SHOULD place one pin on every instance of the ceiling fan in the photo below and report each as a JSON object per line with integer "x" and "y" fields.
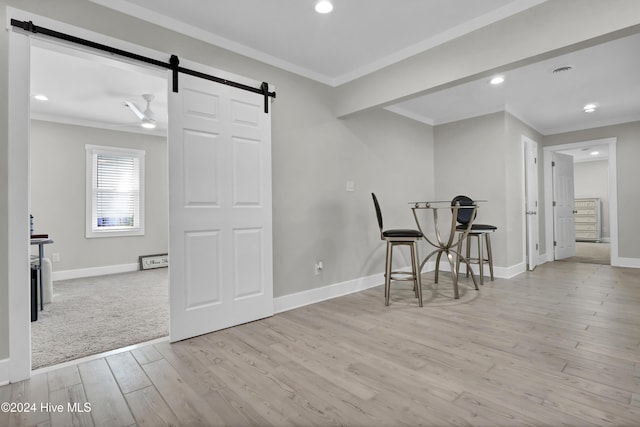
{"x": 147, "y": 117}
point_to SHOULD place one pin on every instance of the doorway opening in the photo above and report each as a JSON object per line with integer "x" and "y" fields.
{"x": 587, "y": 246}
{"x": 96, "y": 298}
{"x": 191, "y": 175}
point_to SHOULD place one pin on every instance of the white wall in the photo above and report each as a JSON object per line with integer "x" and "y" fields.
{"x": 57, "y": 169}
{"x": 591, "y": 179}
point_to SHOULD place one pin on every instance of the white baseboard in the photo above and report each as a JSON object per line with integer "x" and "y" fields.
{"x": 4, "y": 372}
{"x": 94, "y": 271}
{"x": 510, "y": 272}
{"x": 545, "y": 258}
{"x": 616, "y": 262}
{"x": 312, "y": 296}
{"x": 500, "y": 272}
{"x": 626, "y": 262}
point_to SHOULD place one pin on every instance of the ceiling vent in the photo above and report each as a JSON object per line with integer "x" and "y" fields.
{"x": 562, "y": 69}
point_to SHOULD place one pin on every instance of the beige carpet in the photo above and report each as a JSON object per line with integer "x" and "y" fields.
{"x": 96, "y": 314}
{"x": 592, "y": 253}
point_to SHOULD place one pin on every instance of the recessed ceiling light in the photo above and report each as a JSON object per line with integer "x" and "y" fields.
{"x": 595, "y": 153}
{"x": 589, "y": 108}
{"x": 324, "y": 6}
{"x": 41, "y": 97}
{"x": 497, "y": 80}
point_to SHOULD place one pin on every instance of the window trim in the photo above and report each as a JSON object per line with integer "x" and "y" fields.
{"x": 90, "y": 203}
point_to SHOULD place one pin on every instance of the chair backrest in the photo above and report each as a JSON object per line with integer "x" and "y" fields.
{"x": 464, "y": 215}
{"x": 378, "y": 212}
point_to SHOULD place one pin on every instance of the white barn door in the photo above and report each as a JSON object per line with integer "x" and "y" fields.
{"x": 220, "y": 231}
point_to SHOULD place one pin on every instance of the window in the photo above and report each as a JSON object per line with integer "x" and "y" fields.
{"x": 115, "y": 191}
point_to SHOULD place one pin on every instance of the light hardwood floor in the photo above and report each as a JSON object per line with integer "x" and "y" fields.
{"x": 557, "y": 346}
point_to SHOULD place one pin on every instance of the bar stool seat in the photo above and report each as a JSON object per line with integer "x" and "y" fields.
{"x": 398, "y": 233}
{"x": 396, "y": 237}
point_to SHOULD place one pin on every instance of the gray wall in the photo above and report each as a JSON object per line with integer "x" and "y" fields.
{"x": 467, "y": 164}
{"x": 57, "y": 169}
{"x": 315, "y": 218}
{"x": 482, "y": 158}
{"x": 628, "y": 153}
{"x": 591, "y": 179}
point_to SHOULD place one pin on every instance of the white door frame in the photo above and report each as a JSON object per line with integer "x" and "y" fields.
{"x": 613, "y": 193}
{"x": 19, "y": 363}
{"x": 531, "y": 259}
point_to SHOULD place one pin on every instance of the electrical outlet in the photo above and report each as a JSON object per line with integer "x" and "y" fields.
{"x": 318, "y": 267}
{"x": 55, "y": 257}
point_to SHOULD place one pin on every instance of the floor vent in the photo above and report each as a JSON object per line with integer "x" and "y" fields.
{"x": 153, "y": 261}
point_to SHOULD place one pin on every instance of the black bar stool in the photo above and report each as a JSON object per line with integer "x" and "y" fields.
{"x": 397, "y": 237}
{"x": 480, "y": 232}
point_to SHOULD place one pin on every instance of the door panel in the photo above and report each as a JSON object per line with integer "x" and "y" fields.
{"x": 201, "y": 168}
{"x": 220, "y": 208}
{"x": 202, "y": 264}
{"x": 563, "y": 193}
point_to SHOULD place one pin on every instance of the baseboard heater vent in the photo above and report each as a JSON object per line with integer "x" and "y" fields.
{"x": 148, "y": 262}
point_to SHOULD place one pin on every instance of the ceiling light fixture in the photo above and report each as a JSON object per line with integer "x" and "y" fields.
{"x": 41, "y": 97}
{"x": 595, "y": 153}
{"x": 324, "y": 6}
{"x": 589, "y": 108}
{"x": 148, "y": 123}
{"x": 497, "y": 80}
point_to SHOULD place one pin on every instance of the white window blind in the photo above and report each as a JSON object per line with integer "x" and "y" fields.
{"x": 115, "y": 193}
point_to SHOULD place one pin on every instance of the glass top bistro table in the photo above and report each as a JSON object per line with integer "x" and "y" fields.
{"x": 445, "y": 246}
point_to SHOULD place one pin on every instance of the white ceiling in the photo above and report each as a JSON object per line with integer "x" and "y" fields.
{"x": 606, "y": 75}
{"x": 591, "y": 154}
{"x": 90, "y": 90}
{"x": 358, "y": 37}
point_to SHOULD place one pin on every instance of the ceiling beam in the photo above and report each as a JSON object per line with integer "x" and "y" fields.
{"x": 552, "y": 28}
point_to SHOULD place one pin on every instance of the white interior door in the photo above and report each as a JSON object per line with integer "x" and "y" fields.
{"x": 531, "y": 202}
{"x": 563, "y": 193}
{"x": 220, "y": 233}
